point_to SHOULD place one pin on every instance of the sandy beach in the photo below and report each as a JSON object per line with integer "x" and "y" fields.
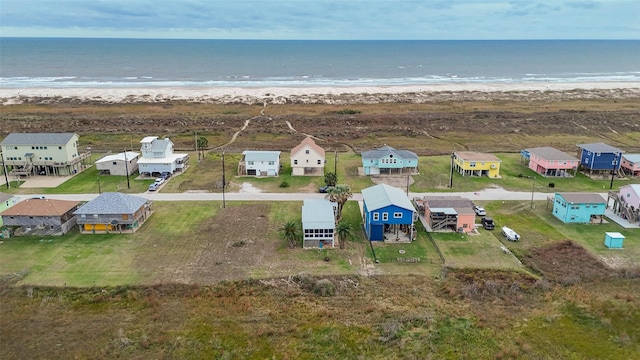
{"x": 323, "y": 95}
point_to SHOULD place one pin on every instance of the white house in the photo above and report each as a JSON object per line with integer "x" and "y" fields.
{"x": 259, "y": 163}
{"x": 318, "y": 223}
{"x": 307, "y": 159}
{"x": 42, "y": 153}
{"x": 116, "y": 165}
{"x": 158, "y": 157}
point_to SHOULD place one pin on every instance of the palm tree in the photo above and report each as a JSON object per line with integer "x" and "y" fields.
{"x": 289, "y": 232}
{"x": 339, "y": 194}
{"x": 344, "y": 230}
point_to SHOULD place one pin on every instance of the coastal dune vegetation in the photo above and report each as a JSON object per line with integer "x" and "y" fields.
{"x": 202, "y": 281}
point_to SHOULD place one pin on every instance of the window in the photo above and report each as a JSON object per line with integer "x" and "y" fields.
{"x": 272, "y": 162}
{"x": 250, "y": 162}
{"x": 59, "y": 147}
{"x": 319, "y": 162}
{"x": 115, "y": 163}
{"x": 295, "y": 162}
{"x": 385, "y": 216}
{"x": 397, "y": 215}
{"x": 376, "y": 216}
{"x": 306, "y": 151}
{"x": 472, "y": 164}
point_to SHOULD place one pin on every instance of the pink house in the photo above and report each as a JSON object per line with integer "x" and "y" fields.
{"x": 628, "y": 204}
{"x": 631, "y": 164}
{"x": 447, "y": 213}
{"x": 548, "y": 161}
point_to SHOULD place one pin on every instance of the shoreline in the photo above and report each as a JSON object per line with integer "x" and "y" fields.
{"x": 323, "y": 94}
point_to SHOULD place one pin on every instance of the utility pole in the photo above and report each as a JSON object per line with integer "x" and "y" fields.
{"x": 197, "y": 146}
{"x": 126, "y": 168}
{"x": 99, "y": 190}
{"x": 408, "y": 185}
{"x": 533, "y": 189}
{"x": 451, "y": 172}
{"x": 224, "y": 182}
{"x": 4, "y": 167}
{"x": 613, "y": 171}
{"x": 335, "y": 166}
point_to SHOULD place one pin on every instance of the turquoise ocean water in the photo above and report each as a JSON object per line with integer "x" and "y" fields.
{"x": 58, "y": 63}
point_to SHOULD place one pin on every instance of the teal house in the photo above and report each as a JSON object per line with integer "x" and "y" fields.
{"x": 387, "y": 160}
{"x": 581, "y": 208}
{"x": 6, "y": 201}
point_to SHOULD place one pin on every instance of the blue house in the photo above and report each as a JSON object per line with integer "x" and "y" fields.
{"x": 599, "y": 157}
{"x": 388, "y": 214}
{"x": 387, "y": 160}
{"x": 578, "y": 207}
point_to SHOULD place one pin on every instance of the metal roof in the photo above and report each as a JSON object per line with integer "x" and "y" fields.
{"x": 318, "y": 211}
{"x": 383, "y": 195}
{"x": 118, "y": 157}
{"x": 251, "y": 155}
{"x": 112, "y": 203}
{"x": 386, "y": 151}
{"x": 476, "y": 156}
{"x": 582, "y": 198}
{"x": 549, "y": 153}
{"x": 632, "y": 157}
{"x": 38, "y": 138}
{"x": 600, "y": 147}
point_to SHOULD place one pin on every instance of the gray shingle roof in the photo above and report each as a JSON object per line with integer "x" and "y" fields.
{"x": 37, "y": 139}
{"x": 600, "y": 147}
{"x": 386, "y": 150}
{"x": 112, "y": 203}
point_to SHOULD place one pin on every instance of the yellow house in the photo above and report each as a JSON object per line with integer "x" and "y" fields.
{"x": 471, "y": 163}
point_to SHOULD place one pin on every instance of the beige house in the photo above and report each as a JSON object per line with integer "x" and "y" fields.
{"x": 307, "y": 159}
{"x": 29, "y": 154}
{"x": 122, "y": 164}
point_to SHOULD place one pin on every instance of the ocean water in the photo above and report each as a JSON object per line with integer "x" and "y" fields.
{"x": 59, "y": 63}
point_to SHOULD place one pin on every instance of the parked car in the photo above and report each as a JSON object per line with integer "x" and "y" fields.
{"x": 324, "y": 189}
{"x": 510, "y": 234}
{"x": 159, "y": 181}
{"x": 165, "y": 175}
{"x": 154, "y": 187}
{"x": 480, "y": 211}
{"x": 488, "y": 223}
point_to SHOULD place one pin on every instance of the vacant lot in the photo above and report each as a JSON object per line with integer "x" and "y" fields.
{"x": 184, "y": 243}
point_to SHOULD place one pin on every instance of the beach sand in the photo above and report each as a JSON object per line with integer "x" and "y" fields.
{"x": 323, "y": 95}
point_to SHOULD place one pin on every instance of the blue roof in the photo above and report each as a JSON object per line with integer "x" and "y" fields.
{"x": 383, "y": 195}
{"x": 112, "y": 203}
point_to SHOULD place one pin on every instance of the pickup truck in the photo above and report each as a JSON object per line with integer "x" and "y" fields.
{"x": 488, "y": 223}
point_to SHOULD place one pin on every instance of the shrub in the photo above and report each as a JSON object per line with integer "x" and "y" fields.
{"x": 348, "y": 112}
{"x": 284, "y": 184}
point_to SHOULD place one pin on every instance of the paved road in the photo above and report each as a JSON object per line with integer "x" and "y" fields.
{"x": 484, "y": 195}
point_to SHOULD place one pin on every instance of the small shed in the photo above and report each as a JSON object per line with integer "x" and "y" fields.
{"x": 613, "y": 240}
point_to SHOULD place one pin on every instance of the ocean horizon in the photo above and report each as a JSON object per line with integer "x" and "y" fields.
{"x": 145, "y": 63}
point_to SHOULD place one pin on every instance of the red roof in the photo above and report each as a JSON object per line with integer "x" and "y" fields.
{"x": 40, "y": 207}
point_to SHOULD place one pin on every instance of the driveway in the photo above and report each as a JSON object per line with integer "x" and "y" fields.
{"x": 44, "y": 181}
